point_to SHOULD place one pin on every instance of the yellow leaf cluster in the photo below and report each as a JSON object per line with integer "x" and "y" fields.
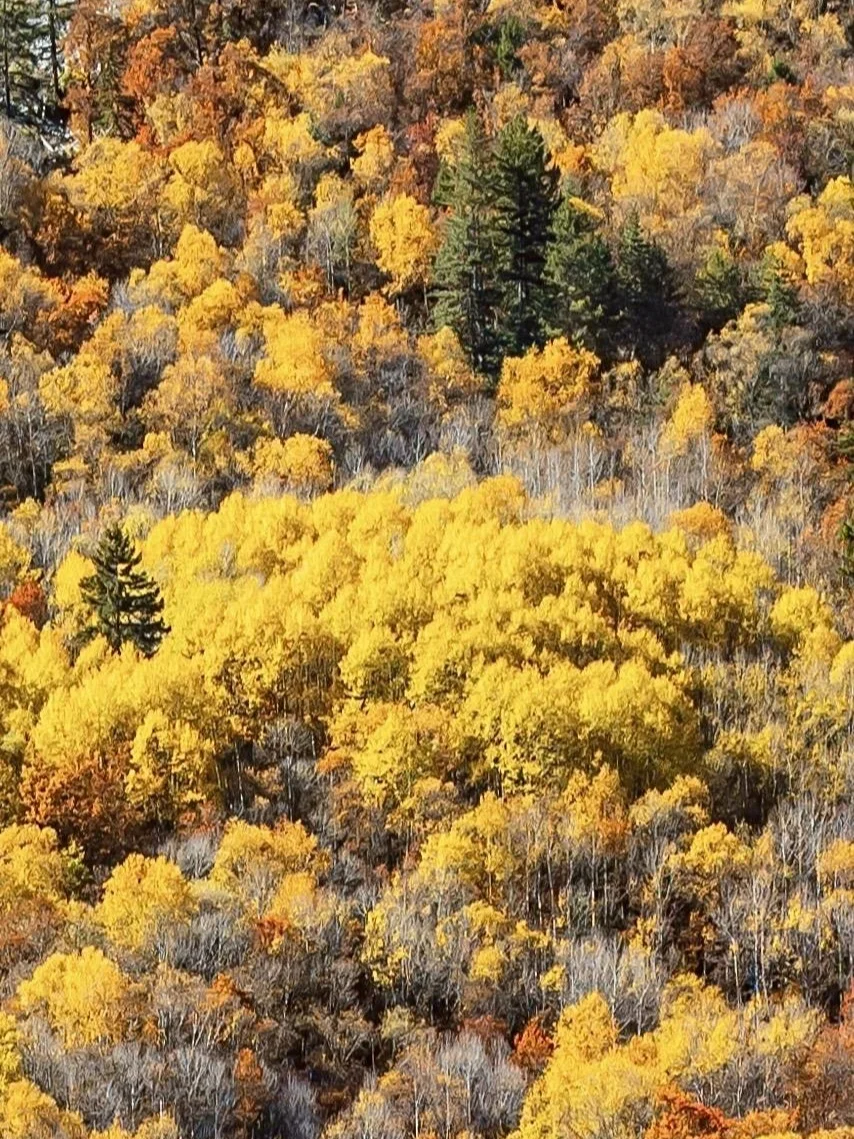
{"x": 547, "y": 389}
{"x": 26, "y": 1112}
{"x": 31, "y": 866}
{"x": 294, "y": 364}
{"x": 405, "y": 240}
{"x": 303, "y": 462}
{"x": 253, "y": 861}
{"x": 690, "y": 421}
{"x": 142, "y": 897}
{"x": 825, "y": 234}
{"x": 84, "y": 996}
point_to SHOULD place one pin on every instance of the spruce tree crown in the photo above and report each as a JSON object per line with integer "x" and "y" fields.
{"x": 126, "y": 604}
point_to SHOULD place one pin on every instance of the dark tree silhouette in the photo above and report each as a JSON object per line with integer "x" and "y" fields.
{"x": 126, "y": 604}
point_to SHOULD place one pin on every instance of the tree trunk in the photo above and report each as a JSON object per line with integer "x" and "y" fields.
{"x": 7, "y": 85}
{"x": 54, "y": 50}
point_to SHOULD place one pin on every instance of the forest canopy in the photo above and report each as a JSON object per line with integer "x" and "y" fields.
{"x": 426, "y": 553}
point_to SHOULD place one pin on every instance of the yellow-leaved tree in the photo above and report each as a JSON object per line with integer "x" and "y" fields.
{"x": 295, "y": 364}
{"x": 405, "y": 240}
{"x": 144, "y": 897}
{"x": 253, "y": 861}
{"x": 303, "y": 462}
{"x": 26, "y": 1112}
{"x": 83, "y": 995}
{"x": 32, "y": 867}
{"x": 548, "y": 390}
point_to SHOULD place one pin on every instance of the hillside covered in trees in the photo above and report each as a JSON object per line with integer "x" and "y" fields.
{"x": 426, "y": 554}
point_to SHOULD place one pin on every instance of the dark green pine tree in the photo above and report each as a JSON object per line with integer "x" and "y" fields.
{"x": 846, "y": 538}
{"x": 465, "y": 269}
{"x": 524, "y": 202}
{"x": 779, "y": 294}
{"x": 647, "y": 291}
{"x": 126, "y": 604}
{"x": 512, "y": 35}
{"x": 719, "y": 287}
{"x": 581, "y": 270}
{"x": 55, "y": 19}
{"x": 845, "y": 452}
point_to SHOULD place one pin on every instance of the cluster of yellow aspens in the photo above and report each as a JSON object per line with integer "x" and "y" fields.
{"x": 528, "y": 732}
{"x": 471, "y": 638}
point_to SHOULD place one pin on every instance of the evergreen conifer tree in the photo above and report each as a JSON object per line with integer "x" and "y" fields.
{"x": 779, "y": 294}
{"x": 511, "y": 37}
{"x": 57, "y": 14}
{"x": 581, "y": 270}
{"x": 846, "y": 537}
{"x": 524, "y": 202}
{"x": 719, "y": 287}
{"x": 647, "y": 291}
{"x": 844, "y": 449}
{"x": 125, "y": 602}
{"x": 464, "y": 272}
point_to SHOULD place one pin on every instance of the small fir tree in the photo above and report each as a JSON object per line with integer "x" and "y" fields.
{"x": 126, "y": 604}
{"x": 719, "y": 287}
{"x": 18, "y": 32}
{"x": 845, "y": 451}
{"x": 846, "y": 537}
{"x": 464, "y": 272}
{"x": 646, "y": 285}
{"x": 779, "y": 294}
{"x": 581, "y": 270}
{"x": 525, "y": 201}
{"x": 512, "y": 36}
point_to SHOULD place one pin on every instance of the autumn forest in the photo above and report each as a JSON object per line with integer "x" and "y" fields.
{"x": 426, "y": 569}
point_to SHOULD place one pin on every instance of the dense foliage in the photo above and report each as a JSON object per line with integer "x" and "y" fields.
{"x": 426, "y": 649}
